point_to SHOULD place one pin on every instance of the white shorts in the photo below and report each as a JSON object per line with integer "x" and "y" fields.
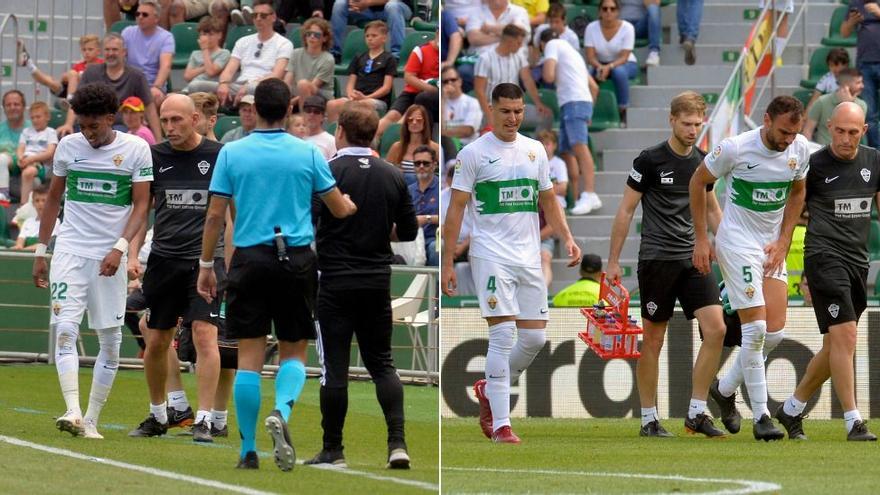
{"x": 780, "y": 5}
{"x": 744, "y": 276}
{"x": 76, "y": 286}
{"x": 508, "y": 290}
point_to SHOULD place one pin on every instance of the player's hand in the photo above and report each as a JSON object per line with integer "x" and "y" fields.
{"x": 448, "y": 282}
{"x": 612, "y": 272}
{"x": 574, "y": 252}
{"x": 40, "y": 272}
{"x": 207, "y": 284}
{"x": 110, "y": 263}
{"x": 135, "y": 269}
{"x": 775, "y": 253}
{"x": 64, "y": 130}
{"x": 703, "y": 256}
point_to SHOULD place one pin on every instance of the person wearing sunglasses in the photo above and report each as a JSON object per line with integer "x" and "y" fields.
{"x": 425, "y": 193}
{"x": 311, "y": 68}
{"x": 150, "y": 48}
{"x": 608, "y": 44}
{"x": 314, "y": 107}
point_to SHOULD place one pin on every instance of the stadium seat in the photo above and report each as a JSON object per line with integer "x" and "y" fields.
{"x": 818, "y": 67}
{"x": 330, "y": 127}
{"x": 337, "y": 87}
{"x": 353, "y": 46}
{"x": 834, "y": 38}
{"x": 5, "y": 241}
{"x": 186, "y": 41}
{"x": 236, "y": 32}
{"x": 874, "y": 240}
{"x": 118, "y": 26}
{"x": 605, "y": 112}
{"x": 428, "y": 26}
{"x": 588, "y": 12}
{"x": 392, "y": 135}
{"x": 225, "y": 124}
{"x": 57, "y": 118}
{"x": 803, "y": 95}
{"x": 295, "y": 37}
{"x": 411, "y": 41}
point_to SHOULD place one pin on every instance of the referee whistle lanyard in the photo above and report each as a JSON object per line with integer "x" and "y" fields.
{"x": 280, "y": 245}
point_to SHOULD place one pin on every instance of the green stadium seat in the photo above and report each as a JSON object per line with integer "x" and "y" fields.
{"x": 391, "y": 136}
{"x": 874, "y": 240}
{"x": 236, "y": 32}
{"x": 818, "y": 67}
{"x": 803, "y": 95}
{"x": 118, "y": 26}
{"x": 429, "y": 26}
{"x": 588, "y": 12}
{"x": 605, "y": 112}
{"x": 412, "y": 40}
{"x": 330, "y": 127}
{"x": 5, "y": 241}
{"x": 834, "y": 37}
{"x": 225, "y": 124}
{"x": 337, "y": 87}
{"x": 186, "y": 41}
{"x": 295, "y": 37}
{"x": 353, "y": 46}
{"x": 57, "y": 118}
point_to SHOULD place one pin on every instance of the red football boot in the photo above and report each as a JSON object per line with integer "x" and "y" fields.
{"x": 485, "y": 409}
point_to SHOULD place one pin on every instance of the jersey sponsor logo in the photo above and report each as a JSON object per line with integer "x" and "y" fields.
{"x": 759, "y": 196}
{"x": 162, "y": 170}
{"x": 77, "y": 160}
{"x": 507, "y": 196}
{"x": 666, "y": 180}
{"x": 493, "y": 161}
{"x": 364, "y": 162}
{"x": 186, "y": 199}
{"x": 117, "y": 159}
{"x": 834, "y": 310}
{"x": 635, "y": 175}
{"x": 145, "y": 171}
{"x": 866, "y": 174}
{"x": 852, "y": 207}
{"x": 753, "y": 165}
{"x": 203, "y": 167}
{"x": 651, "y": 307}
{"x": 829, "y": 180}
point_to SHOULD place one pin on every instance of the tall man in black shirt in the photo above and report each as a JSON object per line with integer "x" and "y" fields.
{"x": 184, "y": 165}
{"x": 843, "y": 180}
{"x": 659, "y": 179}
{"x": 354, "y": 255}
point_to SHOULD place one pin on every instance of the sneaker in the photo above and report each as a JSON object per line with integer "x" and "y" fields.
{"x": 730, "y": 417}
{"x": 398, "y": 459}
{"x": 220, "y": 432}
{"x": 581, "y": 206}
{"x": 180, "y": 419}
{"x": 702, "y": 423}
{"x": 23, "y": 55}
{"x": 248, "y": 13}
{"x": 71, "y": 422}
{"x": 593, "y": 198}
{"x": 792, "y": 424}
{"x": 690, "y": 52}
{"x": 860, "y": 433}
{"x": 90, "y": 430}
{"x": 653, "y": 59}
{"x": 285, "y": 455}
{"x": 201, "y": 432}
{"x": 765, "y": 430}
{"x": 236, "y": 17}
{"x": 249, "y": 461}
{"x": 151, "y": 427}
{"x": 654, "y": 429}
{"x": 505, "y": 435}
{"x": 332, "y": 457}
{"x": 485, "y": 408}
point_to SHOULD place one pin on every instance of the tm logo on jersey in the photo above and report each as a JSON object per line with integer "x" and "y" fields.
{"x": 507, "y": 196}
{"x": 186, "y": 199}
{"x": 96, "y": 186}
{"x": 852, "y": 208}
{"x": 759, "y": 196}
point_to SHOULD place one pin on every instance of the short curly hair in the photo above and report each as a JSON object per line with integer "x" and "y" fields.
{"x": 94, "y": 100}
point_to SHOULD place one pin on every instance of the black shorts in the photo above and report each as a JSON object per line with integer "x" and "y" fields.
{"x": 661, "y": 282}
{"x": 261, "y": 291}
{"x": 839, "y": 289}
{"x": 170, "y": 290}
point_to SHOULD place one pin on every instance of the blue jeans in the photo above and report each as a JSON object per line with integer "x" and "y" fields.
{"x": 649, "y": 27}
{"x": 689, "y": 14}
{"x": 432, "y": 257}
{"x": 394, "y": 14}
{"x": 574, "y": 117}
{"x": 620, "y": 76}
{"x": 871, "y": 75}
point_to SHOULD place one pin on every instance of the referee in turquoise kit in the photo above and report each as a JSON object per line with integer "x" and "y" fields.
{"x": 270, "y": 176}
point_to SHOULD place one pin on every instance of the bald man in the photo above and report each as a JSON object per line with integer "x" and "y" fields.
{"x": 843, "y": 180}
{"x": 182, "y": 166}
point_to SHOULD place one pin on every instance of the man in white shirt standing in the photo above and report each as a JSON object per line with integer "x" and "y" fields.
{"x": 462, "y": 115}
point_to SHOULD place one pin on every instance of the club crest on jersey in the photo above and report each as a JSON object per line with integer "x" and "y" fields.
{"x": 866, "y": 174}
{"x": 651, "y": 307}
{"x": 117, "y": 159}
{"x": 457, "y": 165}
{"x": 750, "y": 291}
{"x": 792, "y": 163}
{"x": 716, "y": 152}
{"x": 56, "y": 308}
{"x": 203, "y": 167}
{"x": 531, "y": 156}
{"x": 834, "y": 310}
{"x": 492, "y": 301}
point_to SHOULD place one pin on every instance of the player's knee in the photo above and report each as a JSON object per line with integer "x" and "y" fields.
{"x": 109, "y": 340}
{"x": 501, "y": 338}
{"x": 531, "y": 341}
{"x": 753, "y": 335}
{"x": 843, "y": 338}
{"x": 65, "y": 338}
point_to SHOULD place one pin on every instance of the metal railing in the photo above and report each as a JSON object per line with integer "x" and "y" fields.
{"x": 7, "y": 18}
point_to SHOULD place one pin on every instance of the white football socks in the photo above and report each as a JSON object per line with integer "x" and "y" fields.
{"x": 218, "y": 419}
{"x": 160, "y": 411}
{"x": 850, "y": 417}
{"x": 67, "y": 363}
{"x": 751, "y": 360}
{"x": 649, "y": 414}
{"x": 696, "y": 407}
{"x": 793, "y": 407}
{"x": 177, "y": 399}
{"x": 106, "y": 366}
{"x": 498, "y": 373}
{"x": 529, "y": 343}
{"x": 734, "y": 378}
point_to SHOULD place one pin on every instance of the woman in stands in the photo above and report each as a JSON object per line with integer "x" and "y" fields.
{"x": 608, "y": 44}
{"x": 415, "y": 131}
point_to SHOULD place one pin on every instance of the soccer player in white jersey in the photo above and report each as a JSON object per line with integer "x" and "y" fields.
{"x": 765, "y": 171}
{"x": 501, "y": 178}
{"x": 107, "y": 178}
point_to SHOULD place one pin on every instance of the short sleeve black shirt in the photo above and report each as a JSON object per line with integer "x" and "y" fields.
{"x": 370, "y": 80}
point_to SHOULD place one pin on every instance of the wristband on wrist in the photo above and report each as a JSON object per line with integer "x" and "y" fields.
{"x": 121, "y": 245}
{"x": 40, "y": 251}
{"x": 206, "y": 264}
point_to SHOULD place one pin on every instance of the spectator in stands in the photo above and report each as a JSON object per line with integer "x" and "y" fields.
{"x": 451, "y": 41}
{"x": 36, "y": 147}
{"x": 260, "y": 56}
{"x": 462, "y": 116}
{"x": 395, "y": 13}
{"x": 207, "y": 106}
{"x": 556, "y": 22}
{"x": 124, "y": 79}
{"x": 457, "y": 10}
{"x": 287, "y": 10}
{"x": 314, "y": 107}
{"x": 864, "y": 18}
{"x": 177, "y": 11}
{"x": 310, "y": 70}
{"x": 689, "y": 14}
{"x": 415, "y": 132}
{"x": 208, "y": 62}
{"x": 132, "y": 110}
{"x": 29, "y": 234}
{"x": 537, "y": 10}
{"x": 584, "y": 292}
{"x": 609, "y": 44}
{"x": 836, "y": 60}
{"x": 850, "y": 84}
{"x": 484, "y": 30}
{"x": 296, "y": 125}
{"x": 779, "y": 8}
{"x": 558, "y": 169}
{"x": 426, "y": 199}
{"x": 89, "y": 47}
{"x": 421, "y": 80}
{"x": 220, "y": 11}
{"x": 114, "y": 10}
{"x": 150, "y": 48}
{"x": 247, "y": 114}
{"x": 644, "y": 15}
{"x": 370, "y": 74}
{"x": 563, "y": 66}
{"x": 10, "y": 133}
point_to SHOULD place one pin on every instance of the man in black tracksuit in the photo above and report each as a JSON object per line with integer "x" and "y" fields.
{"x": 354, "y": 298}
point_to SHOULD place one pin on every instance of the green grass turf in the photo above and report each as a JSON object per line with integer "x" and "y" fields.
{"x": 570, "y": 456}
{"x": 30, "y": 400}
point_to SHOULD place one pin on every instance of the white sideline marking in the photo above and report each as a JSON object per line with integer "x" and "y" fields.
{"x": 378, "y": 477}
{"x": 748, "y": 486}
{"x": 135, "y": 467}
